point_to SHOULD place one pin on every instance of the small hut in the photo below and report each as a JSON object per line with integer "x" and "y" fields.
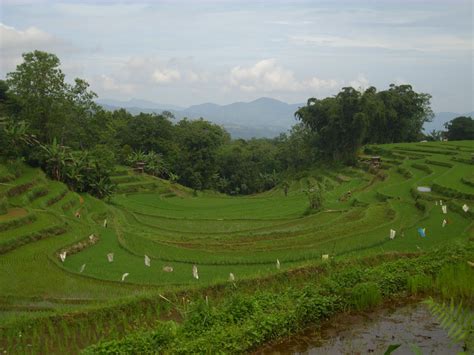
{"x": 140, "y": 167}
{"x": 375, "y": 161}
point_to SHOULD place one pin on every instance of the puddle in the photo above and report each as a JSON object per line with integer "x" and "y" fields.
{"x": 371, "y": 334}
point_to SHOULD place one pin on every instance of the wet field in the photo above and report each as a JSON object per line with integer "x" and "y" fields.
{"x": 372, "y": 333}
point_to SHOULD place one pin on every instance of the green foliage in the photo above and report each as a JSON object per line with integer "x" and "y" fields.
{"x": 365, "y": 295}
{"x": 315, "y": 197}
{"x": 458, "y": 321}
{"x": 338, "y": 122}
{"x": 146, "y": 342}
{"x": 3, "y": 205}
{"x": 419, "y": 284}
{"x": 460, "y": 128}
{"x": 455, "y": 281}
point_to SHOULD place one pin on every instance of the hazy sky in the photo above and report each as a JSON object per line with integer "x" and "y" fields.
{"x": 188, "y": 52}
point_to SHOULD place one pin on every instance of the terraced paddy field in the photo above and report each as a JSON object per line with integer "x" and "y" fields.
{"x": 176, "y": 229}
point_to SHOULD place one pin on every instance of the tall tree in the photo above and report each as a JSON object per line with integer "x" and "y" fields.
{"x": 460, "y": 128}
{"x": 338, "y": 123}
{"x": 52, "y": 107}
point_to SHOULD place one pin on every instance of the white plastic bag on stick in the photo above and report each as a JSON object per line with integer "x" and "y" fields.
{"x": 62, "y": 256}
{"x": 392, "y": 233}
{"x": 147, "y": 261}
{"x": 195, "y": 272}
{"x": 445, "y": 209}
{"x": 110, "y": 257}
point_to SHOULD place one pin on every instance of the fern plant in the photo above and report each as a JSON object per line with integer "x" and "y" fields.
{"x": 458, "y": 321}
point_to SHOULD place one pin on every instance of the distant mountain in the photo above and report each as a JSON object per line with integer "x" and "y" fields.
{"x": 264, "y": 117}
{"x": 261, "y": 112}
{"x": 138, "y": 103}
{"x": 441, "y": 118}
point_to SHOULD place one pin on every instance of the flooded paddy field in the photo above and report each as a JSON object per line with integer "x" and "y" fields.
{"x": 409, "y": 325}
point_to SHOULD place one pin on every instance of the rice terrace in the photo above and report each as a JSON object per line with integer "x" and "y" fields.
{"x": 244, "y": 236}
{"x": 229, "y": 221}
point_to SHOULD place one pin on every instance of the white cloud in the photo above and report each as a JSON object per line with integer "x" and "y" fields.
{"x": 267, "y": 76}
{"x": 14, "y": 42}
{"x": 428, "y": 43}
{"x": 361, "y": 83}
{"x": 164, "y": 76}
{"x": 110, "y": 84}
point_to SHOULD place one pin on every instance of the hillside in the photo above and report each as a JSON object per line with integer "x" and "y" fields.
{"x": 245, "y": 236}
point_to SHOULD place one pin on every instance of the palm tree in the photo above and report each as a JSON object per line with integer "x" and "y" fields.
{"x": 154, "y": 164}
{"x": 74, "y": 172}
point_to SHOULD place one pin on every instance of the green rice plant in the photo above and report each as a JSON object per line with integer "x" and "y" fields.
{"x": 419, "y": 284}
{"x": 3, "y": 205}
{"x": 455, "y": 281}
{"x": 36, "y": 192}
{"x": 457, "y": 320}
{"x": 365, "y": 295}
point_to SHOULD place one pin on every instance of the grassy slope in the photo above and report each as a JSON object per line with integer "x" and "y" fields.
{"x": 242, "y": 235}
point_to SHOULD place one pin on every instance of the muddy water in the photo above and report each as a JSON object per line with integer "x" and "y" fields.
{"x": 371, "y": 334}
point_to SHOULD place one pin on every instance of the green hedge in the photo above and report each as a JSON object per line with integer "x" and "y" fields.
{"x": 447, "y": 191}
{"x": 15, "y": 243}
{"x": 17, "y": 222}
{"x": 423, "y": 167}
{"x": 405, "y": 172}
{"x": 439, "y": 163}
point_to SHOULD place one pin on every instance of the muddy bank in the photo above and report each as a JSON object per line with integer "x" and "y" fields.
{"x": 371, "y": 333}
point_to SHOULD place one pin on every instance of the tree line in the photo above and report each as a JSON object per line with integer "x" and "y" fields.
{"x": 56, "y": 125}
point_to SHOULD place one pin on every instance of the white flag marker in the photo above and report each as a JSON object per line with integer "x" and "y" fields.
{"x": 147, "y": 261}
{"x": 392, "y": 233}
{"x": 110, "y": 257}
{"x": 105, "y": 223}
{"x": 82, "y": 268}
{"x": 325, "y": 257}
{"x": 62, "y": 256}
{"x": 444, "y": 223}
{"x": 445, "y": 209}
{"x": 124, "y": 276}
{"x": 278, "y": 264}
{"x": 231, "y": 277}
{"x": 441, "y": 202}
{"x": 195, "y": 272}
{"x": 465, "y": 208}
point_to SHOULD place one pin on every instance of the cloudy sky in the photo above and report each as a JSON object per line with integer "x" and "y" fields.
{"x": 189, "y": 52}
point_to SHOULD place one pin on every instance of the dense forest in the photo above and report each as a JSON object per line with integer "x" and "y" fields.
{"x": 57, "y": 125}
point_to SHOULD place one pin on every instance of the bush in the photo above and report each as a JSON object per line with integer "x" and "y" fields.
{"x": 450, "y": 192}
